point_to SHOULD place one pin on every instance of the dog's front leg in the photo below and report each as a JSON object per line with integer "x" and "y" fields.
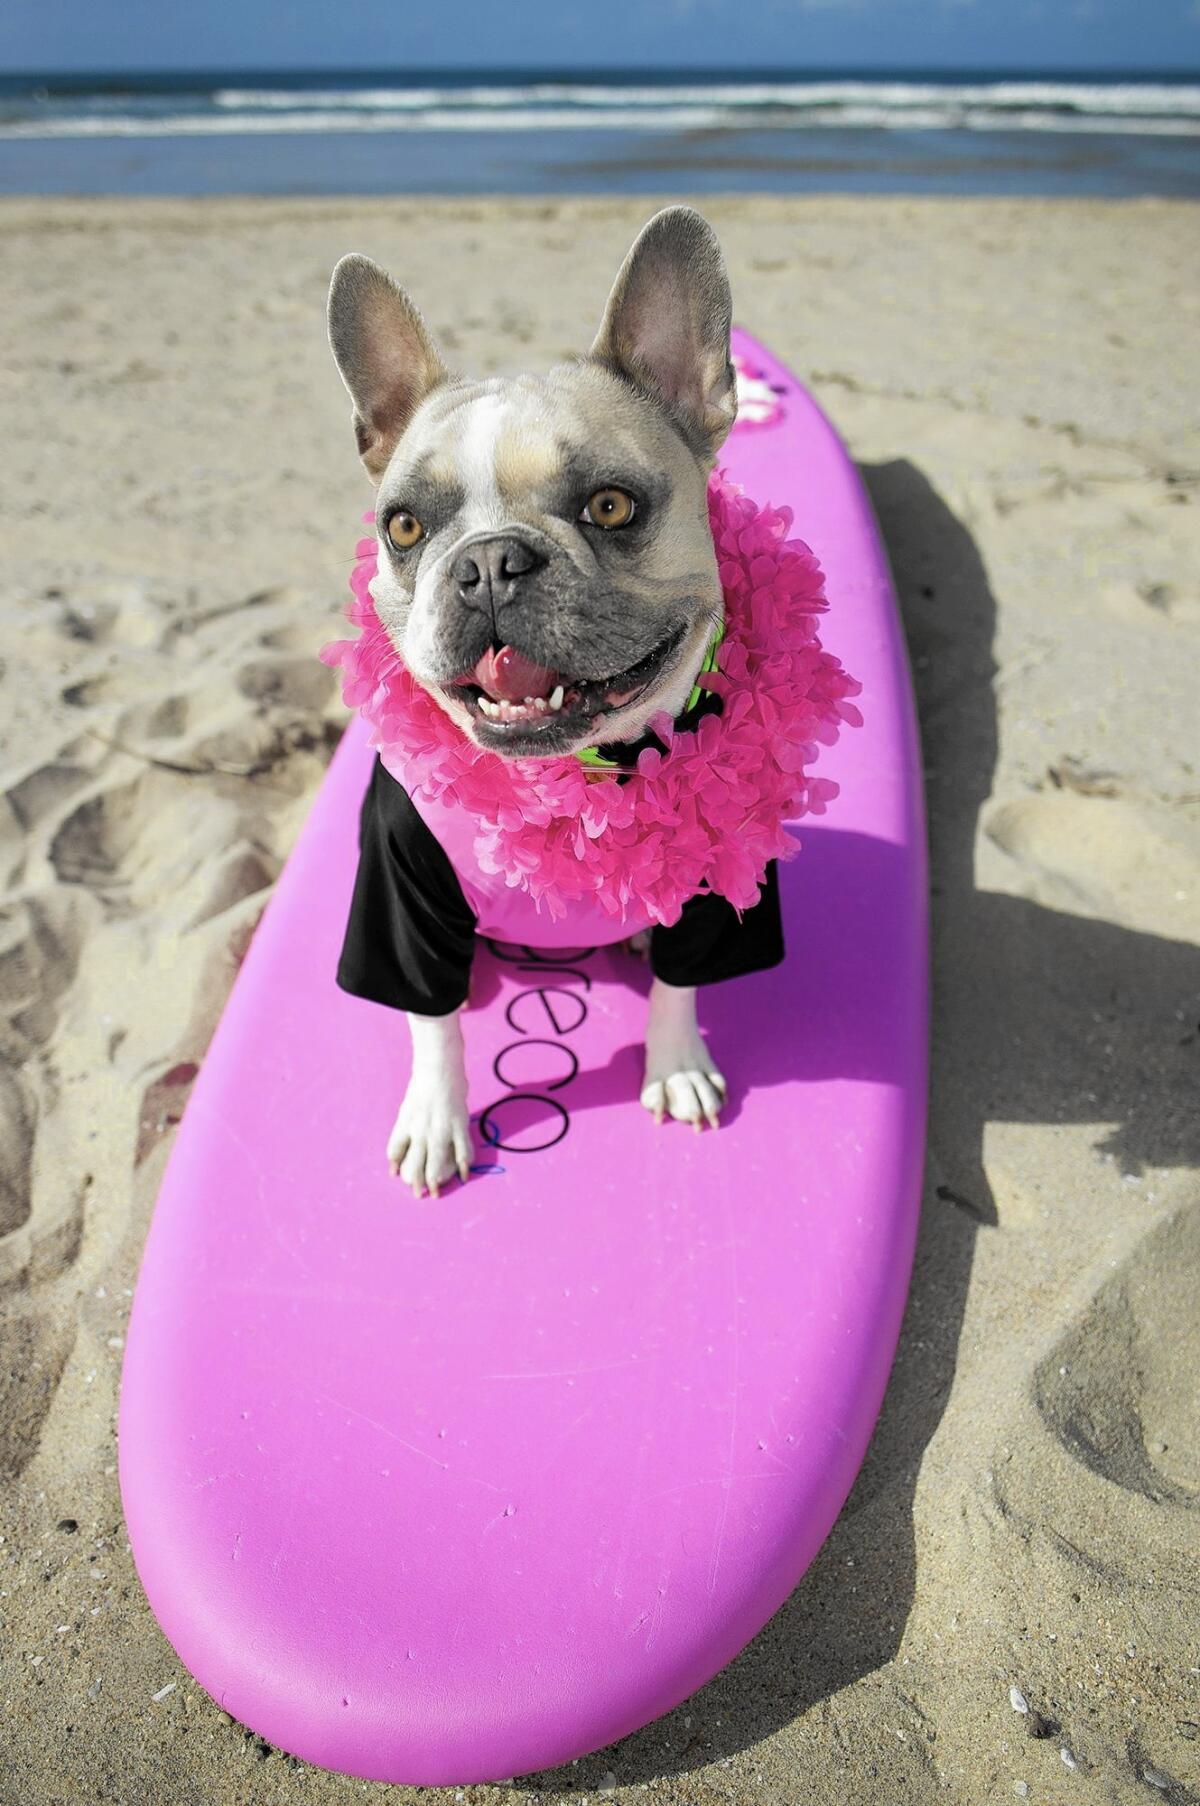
{"x": 431, "y": 1139}
{"x": 681, "y": 1078}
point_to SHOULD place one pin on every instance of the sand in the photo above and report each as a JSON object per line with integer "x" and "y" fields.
{"x": 179, "y": 502}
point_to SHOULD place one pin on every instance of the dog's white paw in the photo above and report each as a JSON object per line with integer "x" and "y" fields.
{"x": 681, "y": 1079}
{"x": 693, "y": 1095}
{"x": 430, "y": 1142}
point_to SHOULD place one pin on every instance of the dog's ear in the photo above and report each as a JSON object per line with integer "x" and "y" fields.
{"x": 666, "y": 327}
{"x": 383, "y": 349}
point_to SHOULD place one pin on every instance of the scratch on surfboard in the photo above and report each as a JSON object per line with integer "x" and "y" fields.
{"x": 412, "y": 1447}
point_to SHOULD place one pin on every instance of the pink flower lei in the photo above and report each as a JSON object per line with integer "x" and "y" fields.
{"x": 705, "y": 815}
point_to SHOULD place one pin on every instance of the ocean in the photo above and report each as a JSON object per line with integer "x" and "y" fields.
{"x": 221, "y": 132}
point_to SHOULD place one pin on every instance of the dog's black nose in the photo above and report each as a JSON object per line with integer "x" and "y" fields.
{"x": 488, "y": 571}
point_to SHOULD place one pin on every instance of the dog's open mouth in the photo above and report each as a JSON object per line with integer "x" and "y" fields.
{"x": 509, "y": 692}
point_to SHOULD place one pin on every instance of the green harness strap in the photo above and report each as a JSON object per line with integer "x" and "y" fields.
{"x": 591, "y": 755}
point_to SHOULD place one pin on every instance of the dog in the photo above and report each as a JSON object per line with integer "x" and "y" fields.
{"x": 547, "y": 574}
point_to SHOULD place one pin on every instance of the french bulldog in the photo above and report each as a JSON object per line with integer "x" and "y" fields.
{"x": 547, "y": 571}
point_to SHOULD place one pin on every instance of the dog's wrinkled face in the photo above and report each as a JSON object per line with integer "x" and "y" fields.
{"x": 563, "y": 584}
{"x": 546, "y": 568}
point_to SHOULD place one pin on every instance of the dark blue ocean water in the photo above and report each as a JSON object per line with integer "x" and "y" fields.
{"x": 328, "y": 132}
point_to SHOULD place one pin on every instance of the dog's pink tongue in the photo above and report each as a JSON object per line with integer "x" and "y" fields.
{"x": 508, "y": 676}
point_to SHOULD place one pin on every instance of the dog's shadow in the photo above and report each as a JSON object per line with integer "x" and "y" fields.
{"x": 1018, "y": 990}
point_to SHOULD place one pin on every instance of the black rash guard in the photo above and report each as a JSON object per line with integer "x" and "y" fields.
{"x": 410, "y": 937}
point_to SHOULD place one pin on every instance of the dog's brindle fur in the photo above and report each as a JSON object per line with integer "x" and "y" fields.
{"x": 515, "y": 459}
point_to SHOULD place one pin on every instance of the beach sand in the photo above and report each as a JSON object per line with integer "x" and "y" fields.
{"x": 179, "y": 505}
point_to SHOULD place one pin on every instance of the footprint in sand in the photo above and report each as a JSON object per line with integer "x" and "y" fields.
{"x": 168, "y": 719}
{"x": 40, "y": 1234}
{"x": 104, "y": 688}
{"x": 301, "y": 637}
{"x": 1095, "y": 853}
{"x": 1110, "y": 1438}
{"x": 166, "y": 838}
{"x": 133, "y": 684}
{"x": 296, "y": 683}
{"x": 154, "y": 634}
{"x": 41, "y": 1224}
{"x": 1152, "y": 604}
{"x": 43, "y": 792}
{"x": 112, "y": 613}
{"x": 18, "y": 1121}
{"x": 180, "y": 715}
{"x": 41, "y": 935}
{"x": 219, "y": 622}
{"x": 244, "y": 871}
{"x": 94, "y": 840}
{"x": 35, "y": 1346}
{"x": 1121, "y": 1390}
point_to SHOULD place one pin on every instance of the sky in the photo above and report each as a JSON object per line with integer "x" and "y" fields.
{"x": 112, "y": 35}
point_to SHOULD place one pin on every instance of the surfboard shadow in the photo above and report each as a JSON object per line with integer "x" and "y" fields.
{"x": 1039, "y": 1016}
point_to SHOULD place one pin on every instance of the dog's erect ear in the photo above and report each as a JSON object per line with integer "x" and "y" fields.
{"x": 383, "y": 349}
{"x": 667, "y": 323}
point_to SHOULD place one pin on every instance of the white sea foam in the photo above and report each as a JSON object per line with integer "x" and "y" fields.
{"x": 1155, "y": 109}
{"x": 1093, "y": 98}
{"x": 432, "y": 119}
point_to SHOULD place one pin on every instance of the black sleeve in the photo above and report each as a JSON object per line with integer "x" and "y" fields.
{"x": 709, "y": 943}
{"x": 410, "y": 936}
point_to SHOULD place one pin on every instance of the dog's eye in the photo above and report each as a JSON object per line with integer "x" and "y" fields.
{"x": 404, "y": 530}
{"x": 609, "y": 508}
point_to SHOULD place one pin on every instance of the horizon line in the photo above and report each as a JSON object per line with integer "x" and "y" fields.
{"x": 552, "y": 72}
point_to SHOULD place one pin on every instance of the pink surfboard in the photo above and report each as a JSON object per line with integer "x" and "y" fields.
{"x": 457, "y": 1490}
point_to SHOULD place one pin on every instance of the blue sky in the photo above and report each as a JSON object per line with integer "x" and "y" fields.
{"x": 718, "y": 34}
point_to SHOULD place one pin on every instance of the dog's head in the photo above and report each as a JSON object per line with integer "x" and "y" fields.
{"x": 546, "y": 568}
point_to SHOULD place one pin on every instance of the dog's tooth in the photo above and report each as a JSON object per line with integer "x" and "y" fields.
{"x": 539, "y": 703}
{"x": 490, "y": 708}
{"x": 556, "y": 697}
